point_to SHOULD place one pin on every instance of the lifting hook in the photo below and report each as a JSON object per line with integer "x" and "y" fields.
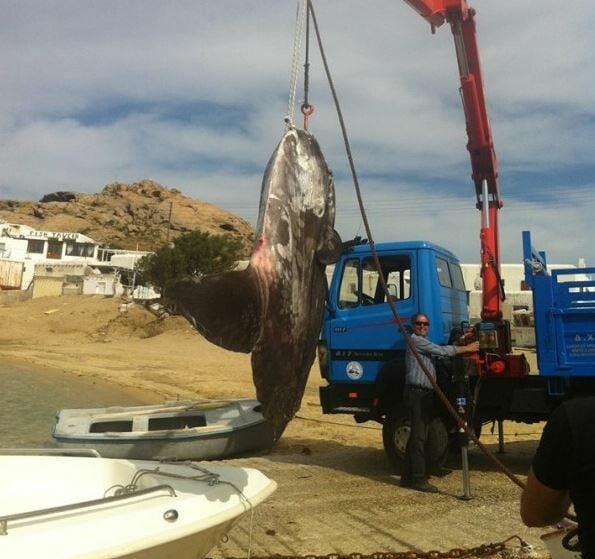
{"x": 307, "y": 110}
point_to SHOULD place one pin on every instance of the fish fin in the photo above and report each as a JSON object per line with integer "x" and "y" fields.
{"x": 280, "y": 375}
{"x": 282, "y": 359}
{"x": 223, "y": 307}
{"x": 329, "y": 250}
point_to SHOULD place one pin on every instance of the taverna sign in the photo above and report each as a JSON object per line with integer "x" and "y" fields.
{"x": 54, "y": 235}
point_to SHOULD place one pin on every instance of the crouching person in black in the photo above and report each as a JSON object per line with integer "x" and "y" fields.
{"x": 563, "y": 472}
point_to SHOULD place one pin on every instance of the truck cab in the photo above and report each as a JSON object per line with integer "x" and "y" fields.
{"x": 362, "y": 350}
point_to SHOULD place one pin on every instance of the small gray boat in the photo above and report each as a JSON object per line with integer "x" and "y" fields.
{"x": 179, "y": 430}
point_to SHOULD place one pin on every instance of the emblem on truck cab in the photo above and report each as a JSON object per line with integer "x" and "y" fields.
{"x": 354, "y": 370}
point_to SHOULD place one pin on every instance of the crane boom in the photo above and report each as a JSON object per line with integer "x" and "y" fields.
{"x": 493, "y": 331}
{"x": 480, "y": 144}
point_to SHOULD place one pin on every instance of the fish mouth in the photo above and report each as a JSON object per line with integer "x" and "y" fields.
{"x": 168, "y": 305}
{"x": 158, "y": 308}
{"x": 172, "y": 308}
{"x": 170, "y": 298}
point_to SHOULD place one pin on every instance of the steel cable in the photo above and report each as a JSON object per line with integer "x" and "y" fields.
{"x": 297, "y": 46}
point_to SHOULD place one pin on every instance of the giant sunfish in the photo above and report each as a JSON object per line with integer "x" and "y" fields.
{"x": 274, "y": 308}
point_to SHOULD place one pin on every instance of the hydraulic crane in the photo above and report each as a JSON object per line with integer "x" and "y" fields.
{"x": 493, "y": 332}
{"x": 362, "y": 358}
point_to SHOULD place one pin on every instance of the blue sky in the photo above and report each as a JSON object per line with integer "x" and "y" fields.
{"x": 193, "y": 94}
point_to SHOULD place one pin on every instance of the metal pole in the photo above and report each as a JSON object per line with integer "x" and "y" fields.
{"x": 462, "y": 406}
{"x": 500, "y": 436}
{"x": 171, "y": 206}
{"x": 485, "y": 212}
{"x": 466, "y": 475}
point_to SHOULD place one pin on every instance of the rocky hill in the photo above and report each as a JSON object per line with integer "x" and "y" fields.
{"x": 143, "y": 215}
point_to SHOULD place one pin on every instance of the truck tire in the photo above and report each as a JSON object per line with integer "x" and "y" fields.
{"x": 395, "y": 434}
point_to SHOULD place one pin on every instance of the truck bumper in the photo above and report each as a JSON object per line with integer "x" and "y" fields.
{"x": 348, "y": 398}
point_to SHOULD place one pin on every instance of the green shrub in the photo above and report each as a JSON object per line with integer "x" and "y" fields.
{"x": 193, "y": 254}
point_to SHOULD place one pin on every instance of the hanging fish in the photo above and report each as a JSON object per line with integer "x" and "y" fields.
{"x": 274, "y": 308}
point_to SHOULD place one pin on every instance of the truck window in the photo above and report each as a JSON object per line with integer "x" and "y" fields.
{"x": 443, "y": 273}
{"x": 456, "y": 274}
{"x": 396, "y": 270}
{"x": 349, "y": 286}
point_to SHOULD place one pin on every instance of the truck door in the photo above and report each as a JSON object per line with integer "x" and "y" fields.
{"x": 362, "y": 334}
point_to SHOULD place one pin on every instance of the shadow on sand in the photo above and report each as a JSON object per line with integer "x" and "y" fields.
{"x": 372, "y": 463}
{"x": 365, "y": 461}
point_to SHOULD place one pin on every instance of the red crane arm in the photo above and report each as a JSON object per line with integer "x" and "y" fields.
{"x": 480, "y": 144}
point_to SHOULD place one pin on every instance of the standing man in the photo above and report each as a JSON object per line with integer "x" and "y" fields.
{"x": 563, "y": 471}
{"x": 419, "y": 399}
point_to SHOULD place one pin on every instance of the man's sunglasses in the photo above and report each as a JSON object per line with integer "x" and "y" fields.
{"x": 422, "y": 323}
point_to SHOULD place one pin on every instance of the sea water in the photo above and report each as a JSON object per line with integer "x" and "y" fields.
{"x": 29, "y": 401}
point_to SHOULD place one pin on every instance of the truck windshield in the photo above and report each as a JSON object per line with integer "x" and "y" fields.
{"x": 360, "y": 281}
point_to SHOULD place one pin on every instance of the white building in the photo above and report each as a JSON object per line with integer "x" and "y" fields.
{"x": 55, "y": 262}
{"x": 19, "y": 242}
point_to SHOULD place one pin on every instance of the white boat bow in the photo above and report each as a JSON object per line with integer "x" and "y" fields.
{"x": 86, "y": 507}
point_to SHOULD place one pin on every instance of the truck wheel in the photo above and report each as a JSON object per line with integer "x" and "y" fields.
{"x": 395, "y": 434}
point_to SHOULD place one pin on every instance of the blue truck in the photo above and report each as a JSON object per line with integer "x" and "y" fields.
{"x": 362, "y": 350}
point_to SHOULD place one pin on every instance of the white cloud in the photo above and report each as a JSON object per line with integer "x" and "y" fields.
{"x": 101, "y": 91}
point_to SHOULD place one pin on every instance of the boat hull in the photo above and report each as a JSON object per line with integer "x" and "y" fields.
{"x": 198, "y": 430}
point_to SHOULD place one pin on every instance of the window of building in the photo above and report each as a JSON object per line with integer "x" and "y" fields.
{"x": 55, "y": 249}
{"x": 84, "y": 250}
{"x": 35, "y": 246}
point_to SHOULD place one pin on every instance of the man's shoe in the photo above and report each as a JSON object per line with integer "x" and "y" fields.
{"x": 425, "y": 487}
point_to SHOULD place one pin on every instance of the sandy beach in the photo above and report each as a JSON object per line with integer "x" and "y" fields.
{"x": 337, "y": 493}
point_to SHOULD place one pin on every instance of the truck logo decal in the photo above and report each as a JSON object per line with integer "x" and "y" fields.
{"x": 365, "y": 354}
{"x": 354, "y": 370}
